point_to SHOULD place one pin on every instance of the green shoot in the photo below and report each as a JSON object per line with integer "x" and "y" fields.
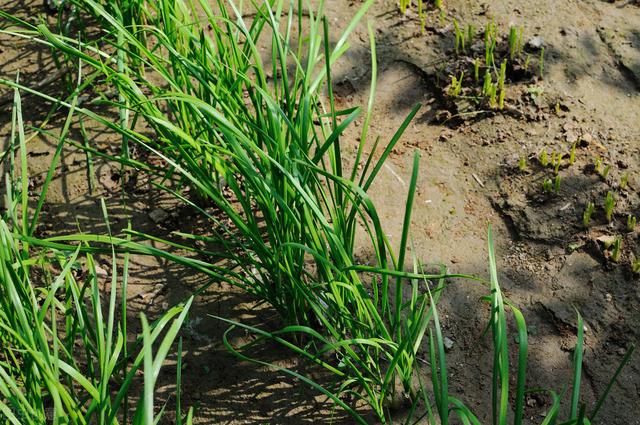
{"x": 522, "y": 163}
{"x": 544, "y": 158}
{"x": 547, "y": 185}
{"x": 513, "y": 42}
{"x": 605, "y": 172}
{"x": 631, "y": 223}
{"x": 609, "y": 205}
{"x": 471, "y": 33}
{"x": 586, "y": 215}
{"x": 598, "y": 165}
{"x": 617, "y": 247}
{"x": 459, "y": 45}
{"x": 572, "y": 153}
{"x": 624, "y": 181}
{"x": 556, "y": 184}
{"x": 456, "y": 85}
{"x": 635, "y": 265}
{"x": 476, "y": 69}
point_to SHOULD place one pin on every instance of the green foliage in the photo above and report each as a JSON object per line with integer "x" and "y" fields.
{"x": 65, "y": 354}
{"x": 631, "y": 222}
{"x": 586, "y": 215}
{"x": 609, "y": 205}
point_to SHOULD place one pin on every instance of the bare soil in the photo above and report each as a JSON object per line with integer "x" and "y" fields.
{"x": 549, "y": 263}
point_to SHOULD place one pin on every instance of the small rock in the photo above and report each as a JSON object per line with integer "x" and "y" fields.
{"x": 536, "y": 42}
{"x": 448, "y": 343}
{"x": 608, "y": 297}
{"x": 100, "y": 272}
{"x": 158, "y": 215}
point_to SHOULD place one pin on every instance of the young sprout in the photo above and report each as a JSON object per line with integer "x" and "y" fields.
{"x": 438, "y": 4}
{"x": 492, "y": 95}
{"x": 547, "y": 186}
{"x": 513, "y": 42}
{"x": 586, "y": 215}
{"x": 544, "y": 158}
{"x": 572, "y": 153}
{"x": 617, "y": 248}
{"x": 541, "y": 62}
{"x": 635, "y": 265}
{"x": 404, "y": 4}
{"x": 624, "y": 181}
{"x": 501, "y": 98}
{"x": 456, "y": 85}
{"x": 605, "y": 172}
{"x": 609, "y": 204}
{"x": 503, "y": 74}
{"x": 471, "y": 33}
{"x": 631, "y": 223}
{"x": 459, "y": 42}
{"x": 522, "y": 163}
{"x": 486, "y": 86}
{"x": 598, "y": 165}
{"x": 520, "y": 43}
{"x": 476, "y": 69}
{"x": 489, "y": 43}
{"x": 527, "y": 60}
{"x": 556, "y": 185}
{"x": 556, "y": 160}
{"x": 442, "y": 15}
{"x": 421, "y": 16}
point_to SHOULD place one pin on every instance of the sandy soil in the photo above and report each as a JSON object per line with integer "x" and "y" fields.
{"x": 548, "y": 262}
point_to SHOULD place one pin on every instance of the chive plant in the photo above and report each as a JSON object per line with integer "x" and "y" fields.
{"x": 64, "y": 352}
{"x": 259, "y": 137}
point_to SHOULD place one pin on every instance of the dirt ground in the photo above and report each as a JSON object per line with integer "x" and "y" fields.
{"x": 549, "y": 263}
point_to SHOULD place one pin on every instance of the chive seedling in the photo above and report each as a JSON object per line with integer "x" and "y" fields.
{"x": 522, "y": 163}
{"x": 598, "y": 165}
{"x": 617, "y": 249}
{"x": 476, "y": 69}
{"x": 544, "y": 158}
{"x": 609, "y": 204}
{"x": 624, "y": 181}
{"x": 547, "y": 185}
{"x": 635, "y": 265}
{"x": 586, "y": 215}
{"x": 556, "y": 184}
{"x": 605, "y": 172}
{"x": 459, "y": 44}
{"x": 572, "y": 153}
{"x": 513, "y": 42}
{"x": 631, "y": 223}
{"x": 471, "y": 33}
{"x": 556, "y": 160}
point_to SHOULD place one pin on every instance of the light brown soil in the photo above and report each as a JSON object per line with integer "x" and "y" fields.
{"x": 548, "y": 263}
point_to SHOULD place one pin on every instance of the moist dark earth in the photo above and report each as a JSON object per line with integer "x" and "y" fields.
{"x": 549, "y": 263}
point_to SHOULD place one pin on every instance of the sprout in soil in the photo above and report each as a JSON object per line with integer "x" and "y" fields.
{"x": 522, "y": 163}
{"x": 617, "y": 248}
{"x": 635, "y": 265}
{"x": 572, "y": 153}
{"x": 609, "y": 204}
{"x": 556, "y": 184}
{"x": 586, "y": 215}
{"x": 547, "y": 185}
{"x": 544, "y": 158}
{"x": 631, "y": 223}
{"x": 624, "y": 181}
